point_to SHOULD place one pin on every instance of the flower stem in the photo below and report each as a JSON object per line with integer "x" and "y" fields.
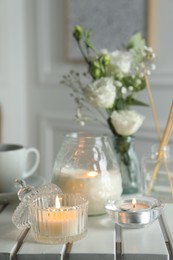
{"x": 82, "y": 52}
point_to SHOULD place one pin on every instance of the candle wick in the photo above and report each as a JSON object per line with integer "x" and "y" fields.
{"x": 134, "y": 205}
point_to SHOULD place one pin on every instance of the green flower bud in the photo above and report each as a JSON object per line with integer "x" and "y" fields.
{"x": 105, "y": 59}
{"x": 77, "y": 33}
{"x": 95, "y": 64}
{"x": 95, "y": 71}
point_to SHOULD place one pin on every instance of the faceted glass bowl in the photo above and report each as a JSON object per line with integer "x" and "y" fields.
{"x": 53, "y": 225}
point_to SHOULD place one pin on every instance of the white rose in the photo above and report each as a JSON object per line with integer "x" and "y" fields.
{"x": 126, "y": 122}
{"x": 120, "y": 62}
{"x": 101, "y": 93}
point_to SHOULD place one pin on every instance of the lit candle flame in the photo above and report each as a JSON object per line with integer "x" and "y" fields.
{"x": 57, "y": 203}
{"x": 92, "y": 174}
{"x": 134, "y": 203}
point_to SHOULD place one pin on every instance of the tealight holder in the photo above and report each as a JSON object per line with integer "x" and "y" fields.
{"x": 134, "y": 213}
{"x": 66, "y": 222}
{"x": 54, "y": 217}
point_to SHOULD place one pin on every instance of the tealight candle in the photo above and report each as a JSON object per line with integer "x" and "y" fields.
{"x": 134, "y": 213}
{"x": 134, "y": 205}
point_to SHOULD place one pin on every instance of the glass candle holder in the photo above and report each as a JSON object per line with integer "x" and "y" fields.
{"x": 87, "y": 165}
{"x": 59, "y": 222}
{"x": 134, "y": 212}
{"x": 53, "y": 217}
{"x": 158, "y": 183}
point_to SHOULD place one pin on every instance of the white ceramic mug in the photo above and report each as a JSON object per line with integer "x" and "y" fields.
{"x": 14, "y": 160}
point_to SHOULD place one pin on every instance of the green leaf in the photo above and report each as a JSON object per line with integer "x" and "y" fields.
{"x": 109, "y": 111}
{"x": 121, "y": 104}
{"x": 136, "y": 42}
{"x": 134, "y": 102}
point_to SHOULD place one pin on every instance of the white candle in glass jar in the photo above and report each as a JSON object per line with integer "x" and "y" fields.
{"x": 96, "y": 187}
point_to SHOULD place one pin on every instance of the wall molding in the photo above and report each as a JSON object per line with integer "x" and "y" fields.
{"x": 53, "y": 120}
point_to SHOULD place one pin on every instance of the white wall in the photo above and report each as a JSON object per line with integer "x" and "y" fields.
{"x": 36, "y": 109}
{"x": 12, "y": 72}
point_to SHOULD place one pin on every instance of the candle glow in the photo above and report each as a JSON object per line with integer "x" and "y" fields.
{"x": 92, "y": 174}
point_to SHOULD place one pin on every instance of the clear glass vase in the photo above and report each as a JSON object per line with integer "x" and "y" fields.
{"x": 128, "y": 163}
{"x": 158, "y": 173}
{"x": 86, "y": 165}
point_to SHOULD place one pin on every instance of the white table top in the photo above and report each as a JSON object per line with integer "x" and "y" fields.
{"x": 104, "y": 240}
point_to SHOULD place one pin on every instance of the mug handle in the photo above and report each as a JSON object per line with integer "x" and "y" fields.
{"x": 36, "y": 163}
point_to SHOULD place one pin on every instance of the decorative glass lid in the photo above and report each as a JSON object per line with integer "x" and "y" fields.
{"x": 27, "y": 194}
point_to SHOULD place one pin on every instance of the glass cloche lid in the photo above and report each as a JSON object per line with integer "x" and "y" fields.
{"x": 27, "y": 194}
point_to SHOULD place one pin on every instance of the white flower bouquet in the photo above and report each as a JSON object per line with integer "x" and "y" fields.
{"x": 110, "y": 86}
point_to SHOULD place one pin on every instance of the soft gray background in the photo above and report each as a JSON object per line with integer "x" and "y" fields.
{"x": 112, "y": 22}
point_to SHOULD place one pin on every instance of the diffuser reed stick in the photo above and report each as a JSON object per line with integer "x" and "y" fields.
{"x": 164, "y": 141}
{"x": 152, "y": 105}
{"x": 157, "y": 166}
